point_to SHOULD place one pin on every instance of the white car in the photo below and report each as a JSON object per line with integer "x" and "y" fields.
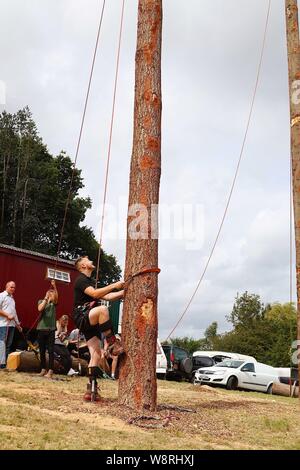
{"x": 161, "y": 361}
{"x": 234, "y": 374}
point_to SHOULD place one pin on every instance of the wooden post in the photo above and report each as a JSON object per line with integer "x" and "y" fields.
{"x": 137, "y": 383}
{"x": 292, "y": 26}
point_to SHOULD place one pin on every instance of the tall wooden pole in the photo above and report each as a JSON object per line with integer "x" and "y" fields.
{"x": 137, "y": 384}
{"x": 292, "y": 26}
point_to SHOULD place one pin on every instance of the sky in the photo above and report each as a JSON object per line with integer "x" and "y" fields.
{"x": 210, "y": 56}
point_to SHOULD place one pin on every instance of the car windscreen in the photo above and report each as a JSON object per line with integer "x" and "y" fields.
{"x": 231, "y": 363}
{"x": 202, "y": 361}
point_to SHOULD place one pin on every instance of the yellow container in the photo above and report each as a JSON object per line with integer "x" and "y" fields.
{"x": 14, "y": 360}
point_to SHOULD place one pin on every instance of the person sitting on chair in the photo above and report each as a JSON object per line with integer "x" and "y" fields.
{"x": 60, "y": 346}
{"x": 77, "y": 345}
{"x": 112, "y": 360}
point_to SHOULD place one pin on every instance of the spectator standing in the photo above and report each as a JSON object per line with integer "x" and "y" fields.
{"x": 8, "y": 321}
{"x": 46, "y": 329}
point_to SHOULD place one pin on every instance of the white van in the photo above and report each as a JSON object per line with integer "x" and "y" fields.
{"x": 239, "y": 373}
{"x": 219, "y": 356}
{"x": 161, "y": 361}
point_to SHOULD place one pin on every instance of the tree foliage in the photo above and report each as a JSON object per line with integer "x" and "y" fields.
{"x": 203, "y": 344}
{"x": 269, "y": 338}
{"x": 34, "y": 189}
{"x": 246, "y": 309}
{"x": 265, "y": 332}
{"x": 189, "y": 344}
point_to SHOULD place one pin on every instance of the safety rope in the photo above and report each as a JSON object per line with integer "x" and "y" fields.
{"x": 109, "y": 144}
{"x": 36, "y": 321}
{"x": 291, "y": 232}
{"x": 80, "y": 134}
{"x": 291, "y": 266}
{"x": 140, "y": 273}
{"x": 235, "y": 175}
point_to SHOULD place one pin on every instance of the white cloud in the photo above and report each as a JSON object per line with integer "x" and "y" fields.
{"x": 210, "y": 59}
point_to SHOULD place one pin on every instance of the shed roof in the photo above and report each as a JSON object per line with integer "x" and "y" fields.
{"x": 35, "y": 254}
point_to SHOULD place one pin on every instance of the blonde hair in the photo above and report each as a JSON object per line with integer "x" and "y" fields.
{"x": 61, "y": 329}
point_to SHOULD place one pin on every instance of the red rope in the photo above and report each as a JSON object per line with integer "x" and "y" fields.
{"x": 33, "y": 325}
{"x": 80, "y": 133}
{"x": 141, "y": 272}
{"x": 110, "y": 142}
{"x": 235, "y": 176}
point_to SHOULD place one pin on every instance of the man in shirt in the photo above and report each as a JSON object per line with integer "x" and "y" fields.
{"x": 8, "y": 321}
{"x": 93, "y": 320}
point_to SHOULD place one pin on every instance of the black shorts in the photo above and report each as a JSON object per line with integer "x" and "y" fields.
{"x": 82, "y": 321}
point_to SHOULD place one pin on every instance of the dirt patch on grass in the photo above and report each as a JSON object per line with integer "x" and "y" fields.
{"x": 77, "y": 415}
{"x": 188, "y": 417}
{"x": 253, "y": 406}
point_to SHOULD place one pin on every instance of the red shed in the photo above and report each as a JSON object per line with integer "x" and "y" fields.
{"x": 32, "y": 273}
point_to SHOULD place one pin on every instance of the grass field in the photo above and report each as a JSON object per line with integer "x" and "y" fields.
{"x": 38, "y": 413}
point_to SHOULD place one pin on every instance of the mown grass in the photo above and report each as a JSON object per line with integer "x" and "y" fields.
{"x": 36, "y": 413}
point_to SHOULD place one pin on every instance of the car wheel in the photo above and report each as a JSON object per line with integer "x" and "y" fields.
{"x": 270, "y": 389}
{"x": 161, "y": 376}
{"x": 186, "y": 365}
{"x": 232, "y": 383}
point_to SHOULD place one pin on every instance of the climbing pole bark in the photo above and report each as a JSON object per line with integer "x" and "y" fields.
{"x": 137, "y": 383}
{"x": 292, "y": 26}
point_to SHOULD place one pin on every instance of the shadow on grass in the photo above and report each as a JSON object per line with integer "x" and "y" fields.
{"x": 227, "y": 405}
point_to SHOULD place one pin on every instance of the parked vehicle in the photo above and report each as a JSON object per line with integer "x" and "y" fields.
{"x": 220, "y": 356}
{"x": 179, "y": 363}
{"x": 234, "y": 374}
{"x": 161, "y": 361}
{"x": 287, "y": 375}
{"x": 202, "y": 361}
{"x": 212, "y": 358}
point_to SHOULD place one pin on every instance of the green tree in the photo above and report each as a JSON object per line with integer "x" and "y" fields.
{"x": 282, "y": 319}
{"x": 246, "y": 309}
{"x": 203, "y": 344}
{"x": 34, "y": 189}
{"x": 189, "y": 344}
{"x": 268, "y": 336}
{"x": 211, "y": 335}
{"x": 267, "y": 333}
